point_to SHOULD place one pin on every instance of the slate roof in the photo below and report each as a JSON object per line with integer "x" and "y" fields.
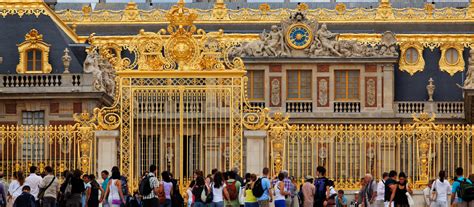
{"x": 13, "y": 32}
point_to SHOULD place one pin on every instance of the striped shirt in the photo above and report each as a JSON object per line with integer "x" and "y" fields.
{"x": 153, "y": 184}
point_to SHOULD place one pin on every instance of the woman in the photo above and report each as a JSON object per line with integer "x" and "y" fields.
{"x": 331, "y": 194}
{"x": 167, "y": 187}
{"x": 280, "y": 191}
{"x": 218, "y": 190}
{"x": 114, "y": 190}
{"x": 87, "y": 192}
{"x": 94, "y": 192}
{"x": 77, "y": 188}
{"x": 197, "y": 191}
{"x": 189, "y": 192}
{"x": 308, "y": 192}
{"x": 399, "y": 194}
{"x": 14, "y": 190}
{"x": 440, "y": 188}
{"x": 250, "y": 199}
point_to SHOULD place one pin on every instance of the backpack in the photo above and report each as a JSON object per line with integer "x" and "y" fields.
{"x": 161, "y": 195}
{"x": 465, "y": 190}
{"x": 301, "y": 197}
{"x": 320, "y": 185}
{"x": 233, "y": 192}
{"x": 257, "y": 189}
{"x": 145, "y": 186}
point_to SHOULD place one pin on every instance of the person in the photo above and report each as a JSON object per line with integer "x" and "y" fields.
{"x": 151, "y": 200}
{"x": 331, "y": 194}
{"x": 197, "y": 191}
{"x": 250, "y": 199}
{"x": 390, "y": 187}
{"x": 218, "y": 190}
{"x": 231, "y": 190}
{"x": 25, "y": 199}
{"x": 237, "y": 176}
{"x": 62, "y": 197}
{"x": 309, "y": 191}
{"x": 167, "y": 187}
{"x": 114, "y": 192}
{"x": 87, "y": 190}
{"x": 381, "y": 190}
{"x": 3, "y": 191}
{"x": 427, "y": 193}
{"x": 266, "y": 198}
{"x": 289, "y": 187}
{"x": 456, "y": 187}
{"x": 321, "y": 185}
{"x": 105, "y": 177}
{"x": 370, "y": 191}
{"x": 341, "y": 200}
{"x": 281, "y": 191}
{"x": 177, "y": 199}
{"x": 15, "y": 188}
{"x": 77, "y": 188}
{"x": 34, "y": 180}
{"x": 50, "y": 186}
{"x": 441, "y": 188}
{"x": 399, "y": 195}
{"x": 189, "y": 193}
{"x": 94, "y": 192}
{"x": 124, "y": 183}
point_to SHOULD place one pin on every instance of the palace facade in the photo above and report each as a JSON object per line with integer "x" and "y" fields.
{"x": 356, "y": 87}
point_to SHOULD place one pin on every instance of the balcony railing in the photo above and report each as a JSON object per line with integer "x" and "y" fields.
{"x": 410, "y": 107}
{"x": 40, "y": 80}
{"x": 299, "y": 106}
{"x": 260, "y": 104}
{"x": 445, "y": 108}
{"x": 346, "y": 107}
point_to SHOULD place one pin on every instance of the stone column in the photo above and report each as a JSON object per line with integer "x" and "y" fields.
{"x": 388, "y": 89}
{"x": 107, "y": 149}
{"x": 256, "y": 152}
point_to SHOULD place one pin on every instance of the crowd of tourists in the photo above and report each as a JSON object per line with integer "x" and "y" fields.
{"x": 228, "y": 189}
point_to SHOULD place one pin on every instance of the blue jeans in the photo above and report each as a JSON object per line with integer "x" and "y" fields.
{"x": 217, "y": 204}
{"x": 199, "y": 204}
{"x": 253, "y": 204}
{"x": 166, "y": 204}
{"x": 280, "y": 203}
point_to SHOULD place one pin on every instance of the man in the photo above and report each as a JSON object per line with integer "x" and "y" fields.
{"x": 266, "y": 198}
{"x": 341, "y": 200}
{"x": 390, "y": 186}
{"x": 321, "y": 184}
{"x": 427, "y": 193}
{"x": 51, "y": 188}
{"x": 34, "y": 180}
{"x": 381, "y": 190}
{"x": 232, "y": 189}
{"x": 151, "y": 200}
{"x": 237, "y": 176}
{"x": 456, "y": 187}
{"x": 288, "y": 186}
{"x": 25, "y": 199}
{"x": 105, "y": 176}
{"x": 3, "y": 191}
{"x": 370, "y": 191}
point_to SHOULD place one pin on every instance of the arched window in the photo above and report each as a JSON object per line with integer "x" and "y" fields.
{"x": 452, "y": 56}
{"x": 34, "y": 60}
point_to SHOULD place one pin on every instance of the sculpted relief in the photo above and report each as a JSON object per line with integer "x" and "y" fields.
{"x": 102, "y": 71}
{"x": 299, "y": 33}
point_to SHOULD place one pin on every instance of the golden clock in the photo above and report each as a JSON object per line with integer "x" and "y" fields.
{"x": 299, "y": 36}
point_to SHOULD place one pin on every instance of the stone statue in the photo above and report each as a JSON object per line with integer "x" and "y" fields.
{"x": 328, "y": 39}
{"x": 66, "y": 60}
{"x": 277, "y": 42}
{"x": 388, "y": 44}
{"x": 108, "y": 76}
{"x": 250, "y": 49}
{"x": 469, "y": 81}
{"x": 430, "y": 88}
{"x": 91, "y": 65}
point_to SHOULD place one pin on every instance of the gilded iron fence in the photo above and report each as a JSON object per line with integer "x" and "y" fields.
{"x": 350, "y": 151}
{"x": 66, "y": 147}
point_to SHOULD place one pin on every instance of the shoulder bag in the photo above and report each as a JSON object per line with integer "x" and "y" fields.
{"x": 43, "y": 190}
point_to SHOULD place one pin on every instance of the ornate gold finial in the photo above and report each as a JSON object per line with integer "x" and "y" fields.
{"x": 180, "y": 16}
{"x": 264, "y": 8}
{"x": 340, "y": 8}
{"x": 131, "y": 12}
{"x": 219, "y": 11}
{"x": 33, "y": 35}
{"x": 385, "y": 10}
{"x": 302, "y": 7}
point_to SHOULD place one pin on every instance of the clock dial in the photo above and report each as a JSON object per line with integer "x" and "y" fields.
{"x": 299, "y": 36}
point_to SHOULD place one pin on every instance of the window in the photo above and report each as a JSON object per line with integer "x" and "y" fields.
{"x": 33, "y": 62}
{"x": 256, "y": 89}
{"x": 411, "y": 55}
{"x": 299, "y": 84}
{"x": 33, "y": 146}
{"x": 347, "y": 84}
{"x": 452, "y": 56}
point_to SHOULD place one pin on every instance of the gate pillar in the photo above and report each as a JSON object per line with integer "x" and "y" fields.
{"x": 106, "y": 149}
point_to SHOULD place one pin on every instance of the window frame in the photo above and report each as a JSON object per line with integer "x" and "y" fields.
{"x": 251, "y": 88}
{"x": 299, "y": 85}
{"x": 347, "y": 85}
{"x": 35, "y": 67}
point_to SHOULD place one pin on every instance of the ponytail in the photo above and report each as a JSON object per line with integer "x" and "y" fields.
{"x": 442, "y": 175}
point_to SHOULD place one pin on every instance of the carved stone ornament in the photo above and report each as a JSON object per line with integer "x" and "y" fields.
{"x": 323, "y": 92}
{"x": 302, "y": 38}
{"x": 276, "y": 99}
{"x": 469, "y": 81}
{"x": 371, "y": 96}
{"x": 430, "y": 88}
{"x": 66, "y": 58}
{"x": 102, "y": 71}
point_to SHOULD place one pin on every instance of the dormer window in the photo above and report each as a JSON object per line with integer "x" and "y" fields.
{"x": 34, "y": 54}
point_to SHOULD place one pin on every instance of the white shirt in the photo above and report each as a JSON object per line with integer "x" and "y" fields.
{"x": 53, "y": 189}
{"x": 442, "y": 189}
{"x": 190, "y": 195}
{"x": 380, "y": 191}
{"x": 217, "y": 193}
{"x": 15, "y": 189}
{"x": 427, "y": 196}
{"x": 34, "y": 181}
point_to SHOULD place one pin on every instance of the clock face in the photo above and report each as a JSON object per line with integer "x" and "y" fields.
{"x": 299, "y": 36}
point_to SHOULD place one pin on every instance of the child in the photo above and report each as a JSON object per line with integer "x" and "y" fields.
{"x": 25, "y": 199}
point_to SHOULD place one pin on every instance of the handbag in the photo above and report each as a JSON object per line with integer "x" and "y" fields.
{"x": 411, "y": 202}
{"x": 42, "y": 191}
{"x": 434, "y": 194}
{"x": 116, "y": 201}
{"x": 241, "y": 196}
